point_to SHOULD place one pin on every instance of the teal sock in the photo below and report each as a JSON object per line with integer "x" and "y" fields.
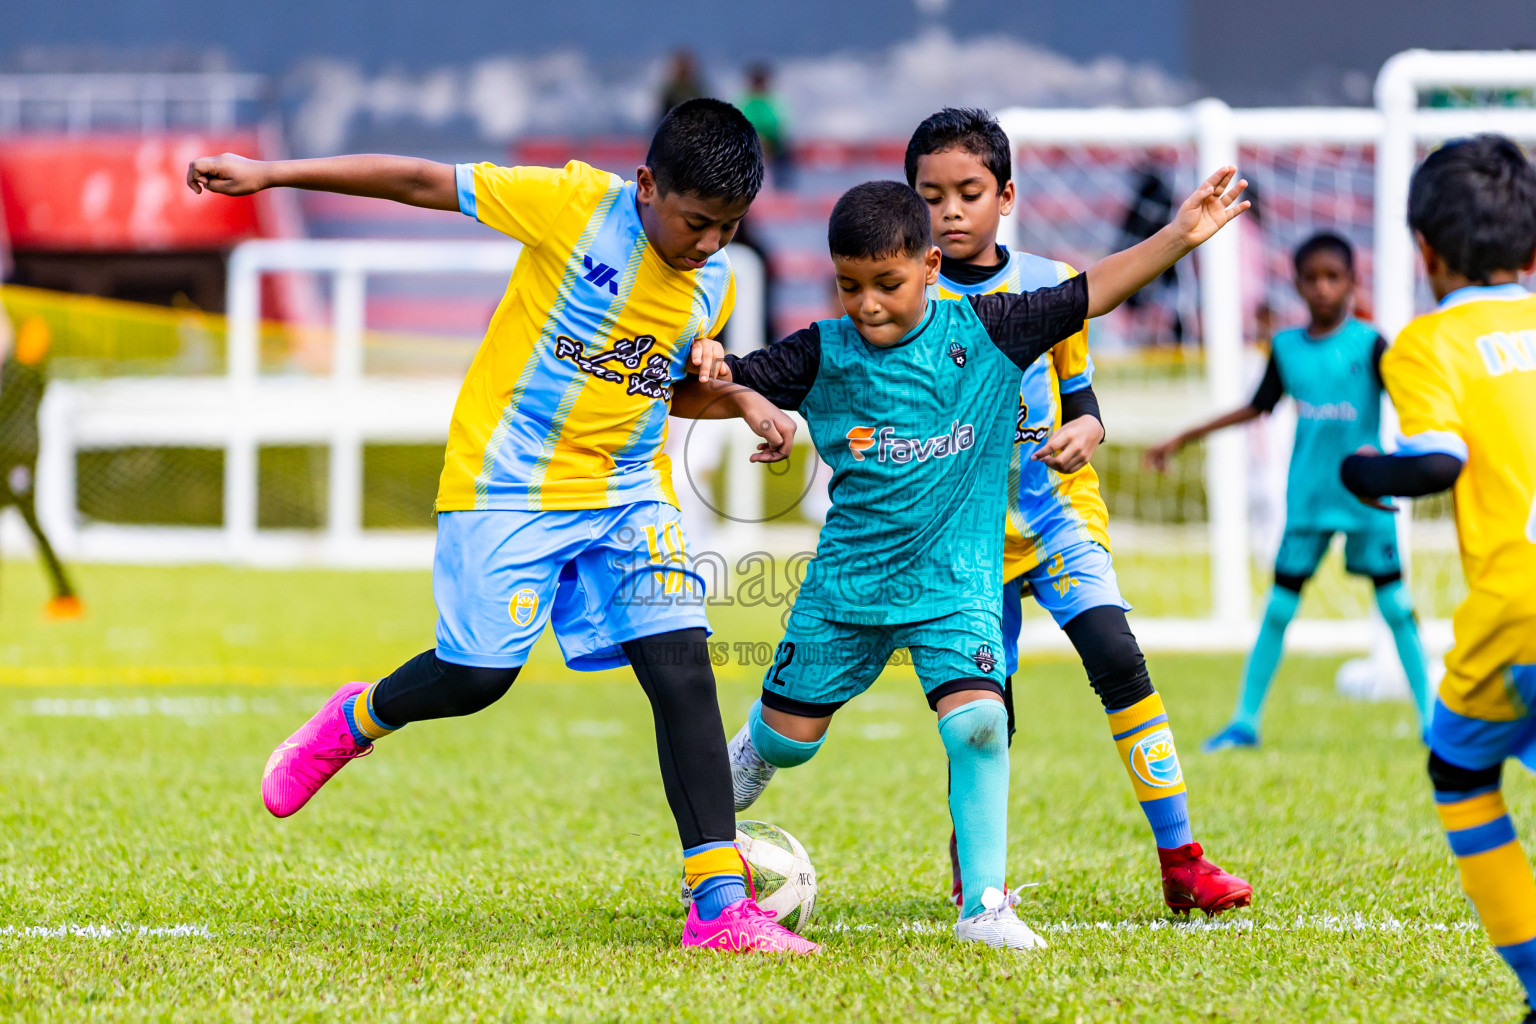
{"x": 776, "y": 748}
{"x": 1397, "y": 609}
{"x": 1259, "y": 672}
{"x": 976, "y": 738}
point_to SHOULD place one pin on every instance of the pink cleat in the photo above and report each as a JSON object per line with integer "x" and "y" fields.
{"x": 305, "y": 761}
{"x": 743, "y": 927}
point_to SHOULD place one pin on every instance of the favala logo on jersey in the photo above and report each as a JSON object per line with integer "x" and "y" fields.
{"x": 890, "y": 448}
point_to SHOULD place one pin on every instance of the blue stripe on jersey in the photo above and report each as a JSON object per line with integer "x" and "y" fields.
{"x": 464, "y": 179}
{"x": 1511, "y": 292}
{"x": 710, "y": 283}
{"x": 593, "y": 317}
{"x": 1077, "y": 382}
{"x": 1432, "y": 442}
{"x": 517, "y": 439}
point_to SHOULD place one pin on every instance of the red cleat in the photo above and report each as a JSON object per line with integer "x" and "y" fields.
{"x": 1190, "y": 881}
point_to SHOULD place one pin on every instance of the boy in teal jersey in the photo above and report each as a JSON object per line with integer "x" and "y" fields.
{"x": 1057, "y": 538}
{"x": 912, "y": 402}
{"x": 1331, "y": 368}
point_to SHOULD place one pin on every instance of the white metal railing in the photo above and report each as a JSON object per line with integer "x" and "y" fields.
{"x": 80, "y": 103}
{"x": 342, "y": 410}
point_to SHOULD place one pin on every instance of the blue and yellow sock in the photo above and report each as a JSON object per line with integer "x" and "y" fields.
{"x": 1259, "y": 671}
{"x": 364, "y": 722}
{"x": 1145, "y": 743}
{"x": 975, "y": 736}
{"x": 712, "y": 872}
{"x": 1397, "y": 610}
{"x": 1494, "y": 873}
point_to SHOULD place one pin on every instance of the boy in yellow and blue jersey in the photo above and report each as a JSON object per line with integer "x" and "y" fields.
{"x": 1463, "y": 379}
{"x": 1331, "y": 367}
{"x": 1057, "y": 537}
{"x": 556, "y": 502}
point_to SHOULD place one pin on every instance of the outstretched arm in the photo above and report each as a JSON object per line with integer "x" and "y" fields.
{"x": 1271, "y": 389}
{"x": 1208, "y": 209}
{"x": 1157, "y": 456}
{"x": 402, "y": 179}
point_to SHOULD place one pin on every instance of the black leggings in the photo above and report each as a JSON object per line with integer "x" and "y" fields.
{"x": 23, "y": 503}
{"x": 675, "y": 673}
{"x": 1111, "y": 657}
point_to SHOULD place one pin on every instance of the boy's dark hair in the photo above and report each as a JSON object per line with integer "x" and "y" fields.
{"x": 706, "y": 148}
{"x": 1474, "y": 201}
{"x": 879, "y": 219}
{"x": 968, "y": 128}
{"x": 1324, "y": 241}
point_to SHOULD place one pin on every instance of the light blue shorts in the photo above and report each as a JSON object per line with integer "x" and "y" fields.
{"x": 1475, "y": 743}
{"x": 1075, "y": 579}
{"x": 602, "y": 576}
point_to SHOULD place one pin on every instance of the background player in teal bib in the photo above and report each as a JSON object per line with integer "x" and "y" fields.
{"x": 1331, "y": 368}
{"x": 1057, "y": 526}
{"x": 912, "y": 402}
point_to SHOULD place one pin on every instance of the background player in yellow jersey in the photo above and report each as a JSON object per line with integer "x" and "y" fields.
{"x": 1057, "y": 539}
{"x": 1463, "y": 379}
{"x": 556, "y": 501}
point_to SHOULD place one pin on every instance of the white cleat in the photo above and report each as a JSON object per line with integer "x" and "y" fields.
{"x": 998, "y": 926}
{"x": 750, "y": 774}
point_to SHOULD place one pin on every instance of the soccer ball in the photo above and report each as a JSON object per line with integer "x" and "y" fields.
{"x": 782, "y": 876}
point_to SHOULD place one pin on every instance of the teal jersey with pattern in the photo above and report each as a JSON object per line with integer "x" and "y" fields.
{"x": 1337, "y": 390}
{"x": 918, "y": 438}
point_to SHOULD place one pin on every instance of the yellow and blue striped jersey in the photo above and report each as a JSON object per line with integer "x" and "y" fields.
{"x": 1047, "y": 511}
{"x": 565, "y": 405}
{"x": 1463, "y": 379}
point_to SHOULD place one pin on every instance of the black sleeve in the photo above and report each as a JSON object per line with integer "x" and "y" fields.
{"x": 1025, "y": 326}
{"x": 784, "y": 371}
{"x": 1271, "y": 388}
{"x": 1078, "y": 403}
{"x": 1377, "y": 351}
{"x": 1408, "y": 476}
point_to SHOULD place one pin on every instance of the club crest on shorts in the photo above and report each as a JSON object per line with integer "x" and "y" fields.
{"x": 985, "y": 659}
{"x": 524, "y": 606}
{"x": 1155, "y": 761}
{"x": 957, "y": 353}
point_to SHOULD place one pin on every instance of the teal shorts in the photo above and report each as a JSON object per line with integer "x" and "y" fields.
{"x": 820, "y": 665}
{"x": 1369, "y": 552}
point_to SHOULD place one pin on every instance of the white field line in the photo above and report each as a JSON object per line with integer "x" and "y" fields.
{"x": 190, "y": 709}
{"x": 103, "y": 931}
{"x": 1325, "y": 923}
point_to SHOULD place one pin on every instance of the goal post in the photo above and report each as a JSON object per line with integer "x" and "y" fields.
{"x": 1341, "y": 169}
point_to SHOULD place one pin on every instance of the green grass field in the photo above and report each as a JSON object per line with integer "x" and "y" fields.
{"x": 521, "y": 864}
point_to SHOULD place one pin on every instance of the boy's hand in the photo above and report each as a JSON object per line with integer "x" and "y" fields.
{"x": 1210, "y": 207}
{"x": 707, "y": 355}
{"x": 226, "y": 174}
{"x": 1157, "y": 456}
{"x": 768, "y": 422}
{"x": 1381, "y": 503}
{"x": 1069, "y": 448}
